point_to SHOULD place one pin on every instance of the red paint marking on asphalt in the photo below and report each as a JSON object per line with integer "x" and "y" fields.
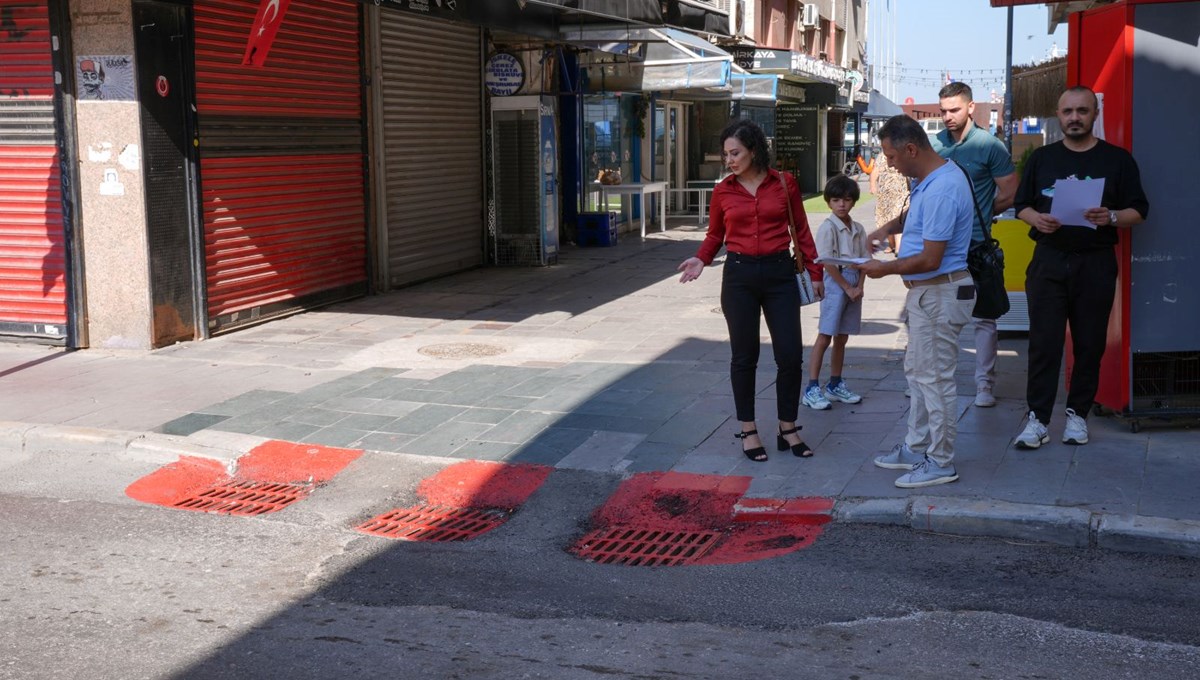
{"x": 172, "y": 483}
{"x": 274, "y": 462}
{"x": 482, "y": 484}
{"x": 286, "y": 462}
{"x": 751, "y": 529}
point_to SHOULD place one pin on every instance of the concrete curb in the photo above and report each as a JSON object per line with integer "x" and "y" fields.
{"x": 21, "y": 441}
{"x": 1050, "y": 524}
{"x": 1074, "y": 527}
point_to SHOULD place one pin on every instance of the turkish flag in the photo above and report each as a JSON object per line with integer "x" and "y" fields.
{"x": 262, "y": 33}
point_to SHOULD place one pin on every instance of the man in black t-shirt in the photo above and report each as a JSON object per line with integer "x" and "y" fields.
{"x": 1073, "y": 275}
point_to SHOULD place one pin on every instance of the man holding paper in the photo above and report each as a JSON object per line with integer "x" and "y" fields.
{"x": 1073, "y": 274}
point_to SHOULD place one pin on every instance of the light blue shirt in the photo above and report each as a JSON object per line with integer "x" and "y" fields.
{"x": 939, "y": 209}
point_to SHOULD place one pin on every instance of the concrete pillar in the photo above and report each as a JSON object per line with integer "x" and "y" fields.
{"x": 112, "y": 215}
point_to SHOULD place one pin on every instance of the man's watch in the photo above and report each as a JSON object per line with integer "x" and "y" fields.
{"x": 1112, "y": 217}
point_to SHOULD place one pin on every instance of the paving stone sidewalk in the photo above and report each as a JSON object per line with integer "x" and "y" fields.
{"x": 606, "y": 363}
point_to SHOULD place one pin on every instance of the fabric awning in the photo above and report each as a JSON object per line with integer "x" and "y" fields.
{"x": 645, "y": 59}
{"x": 880, "y": 106}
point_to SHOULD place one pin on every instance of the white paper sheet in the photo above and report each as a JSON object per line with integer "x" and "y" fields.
{"x": 1073, "y": 196}
{"x": 841, "y": 261}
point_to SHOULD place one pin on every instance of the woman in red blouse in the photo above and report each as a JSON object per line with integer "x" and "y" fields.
{"x": 749, "y": 216}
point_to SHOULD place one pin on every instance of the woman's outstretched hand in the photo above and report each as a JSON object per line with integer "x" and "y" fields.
{"x": 691, "y": 268}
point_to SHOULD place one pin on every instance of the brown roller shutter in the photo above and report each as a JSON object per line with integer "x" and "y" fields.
{"x": 432, "y": 140}
{"x": 281, "y": 160}
{"x": 33, "y": 263}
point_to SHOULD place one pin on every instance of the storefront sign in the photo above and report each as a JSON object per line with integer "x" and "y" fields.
{"x": 791, "y": 92}
{"x": 796, "y": 150}
{"x": 504, "y": 74}
{"x": 804, "y": 65}
{"x": 751, "y": 58}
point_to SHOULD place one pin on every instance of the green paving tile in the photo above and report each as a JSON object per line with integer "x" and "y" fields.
{"x": 336, "y": 436}
{"x": 291, "y": 432}
{"x": 189, "y": 424}
{"x": 244, "y": 403}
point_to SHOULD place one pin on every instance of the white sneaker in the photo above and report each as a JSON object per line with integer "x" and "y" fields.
{"x": 815, "y": 400}
{"x": 1076, "y": 430}
{"x": 1034, "y": 434}
{"x": 984, "y": 398}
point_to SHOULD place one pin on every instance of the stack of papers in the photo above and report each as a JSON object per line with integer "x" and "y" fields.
{"x": 842, "y": 261}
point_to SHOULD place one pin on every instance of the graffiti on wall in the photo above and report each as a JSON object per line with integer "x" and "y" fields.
{"x": 105, "y": 78}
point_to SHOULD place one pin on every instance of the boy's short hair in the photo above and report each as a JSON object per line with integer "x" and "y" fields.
{"x": 841, "y": 186}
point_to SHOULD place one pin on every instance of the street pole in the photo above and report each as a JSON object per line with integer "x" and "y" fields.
{"x": 1008, "y": 96}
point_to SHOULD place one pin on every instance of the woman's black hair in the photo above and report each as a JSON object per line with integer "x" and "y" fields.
{"x": 751, "y": 136}
{"x": 841, "y": 186}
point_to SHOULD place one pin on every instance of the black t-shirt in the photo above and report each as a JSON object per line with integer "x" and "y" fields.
{"x": 1122, "y": 189}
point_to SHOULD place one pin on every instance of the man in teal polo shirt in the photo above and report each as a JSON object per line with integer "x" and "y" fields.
{"x": 994, "y": 181}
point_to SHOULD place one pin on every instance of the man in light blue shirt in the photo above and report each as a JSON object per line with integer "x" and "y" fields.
{"x": 941, "y": 295}
{"x": 994, "y": 180}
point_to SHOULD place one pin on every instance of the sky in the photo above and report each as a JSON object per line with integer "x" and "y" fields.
{"x": 967, "y": 38}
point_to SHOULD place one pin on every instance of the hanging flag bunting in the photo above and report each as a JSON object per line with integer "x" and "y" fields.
{"x": 262, "y": 33}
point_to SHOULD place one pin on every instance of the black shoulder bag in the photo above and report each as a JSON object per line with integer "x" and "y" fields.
{"x": 985, "y": 261}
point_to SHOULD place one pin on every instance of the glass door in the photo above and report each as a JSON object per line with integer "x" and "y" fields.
{"x": 669, "y": 120}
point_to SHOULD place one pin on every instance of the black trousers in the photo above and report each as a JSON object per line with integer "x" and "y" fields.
{"x": 766, "y": 285}
{"x": 1064, "y": 289}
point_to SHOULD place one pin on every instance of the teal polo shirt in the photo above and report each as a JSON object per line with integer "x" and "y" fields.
{"x": 984, "y": 158}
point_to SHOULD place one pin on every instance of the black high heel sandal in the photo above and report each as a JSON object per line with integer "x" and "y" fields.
{"x": 800, "y": 450}
{"x": 757, "y": 454}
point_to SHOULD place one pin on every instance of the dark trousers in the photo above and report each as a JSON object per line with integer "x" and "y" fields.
{"x": 1064, "y": 289}
{"x": 766, "y": 284}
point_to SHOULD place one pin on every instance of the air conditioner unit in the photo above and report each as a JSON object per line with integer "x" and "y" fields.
{"x": 809, "y": 16}
{"x": 737, "y": 18}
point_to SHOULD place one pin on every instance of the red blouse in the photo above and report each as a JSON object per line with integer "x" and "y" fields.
{"x": 757, "y": 225}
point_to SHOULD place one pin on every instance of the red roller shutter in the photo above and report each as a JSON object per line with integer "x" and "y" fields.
{"x": 281, "y": 160}
{"x": 33, "y": 263}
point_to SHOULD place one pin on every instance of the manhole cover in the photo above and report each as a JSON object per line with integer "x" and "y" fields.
{"x": 435, "y": 523}
{"x": 245, "y": 498}
{"x": 461, "y": 350}
{"x": 640, "y": 547}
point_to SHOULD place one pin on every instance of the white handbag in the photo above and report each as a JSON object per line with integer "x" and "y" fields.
{"x": 803, "y": 278}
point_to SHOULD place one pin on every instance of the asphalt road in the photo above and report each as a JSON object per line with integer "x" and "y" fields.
{"x": 94, "y": 585}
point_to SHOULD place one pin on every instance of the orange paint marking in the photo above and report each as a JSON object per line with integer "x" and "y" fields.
{"x": 172, "y": 483}
{"x": 751, "y": 529}
{"x": 286, "y": 463}
{"x": 482, "y": 484}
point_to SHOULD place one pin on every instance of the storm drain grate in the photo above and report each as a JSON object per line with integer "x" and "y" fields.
{"x": 435, "y": 523}
{"x": 246, "y": 498}
{"x": 641, "y": 547}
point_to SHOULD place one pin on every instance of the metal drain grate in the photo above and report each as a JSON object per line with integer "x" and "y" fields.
{"x": 639, "y": 547}
{"x": 246, "y": 498}
{"x": 435, "y": 523}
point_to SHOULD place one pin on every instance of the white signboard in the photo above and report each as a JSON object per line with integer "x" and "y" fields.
{"x": 504, "y": 74}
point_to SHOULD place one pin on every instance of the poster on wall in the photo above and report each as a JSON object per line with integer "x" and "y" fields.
{"x": 105, "y": 78}
{"x": 549, "y": 147}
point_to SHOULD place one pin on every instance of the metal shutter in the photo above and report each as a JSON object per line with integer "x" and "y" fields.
{"x": 33, "y": 263}
{"x": 432, "y": 139}
{"x": 281, "y": 160}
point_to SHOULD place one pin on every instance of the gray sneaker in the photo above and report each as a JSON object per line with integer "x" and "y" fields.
{"x": 1076, "y": 430}
{"x": 984, "y": 398}
{"x": 927, "y": 473}
{"x": 901, "y": 458}
{"x": 1034, "y": 434}
{"x": 815, "y": 400}
{"x": 841, "y": 393}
